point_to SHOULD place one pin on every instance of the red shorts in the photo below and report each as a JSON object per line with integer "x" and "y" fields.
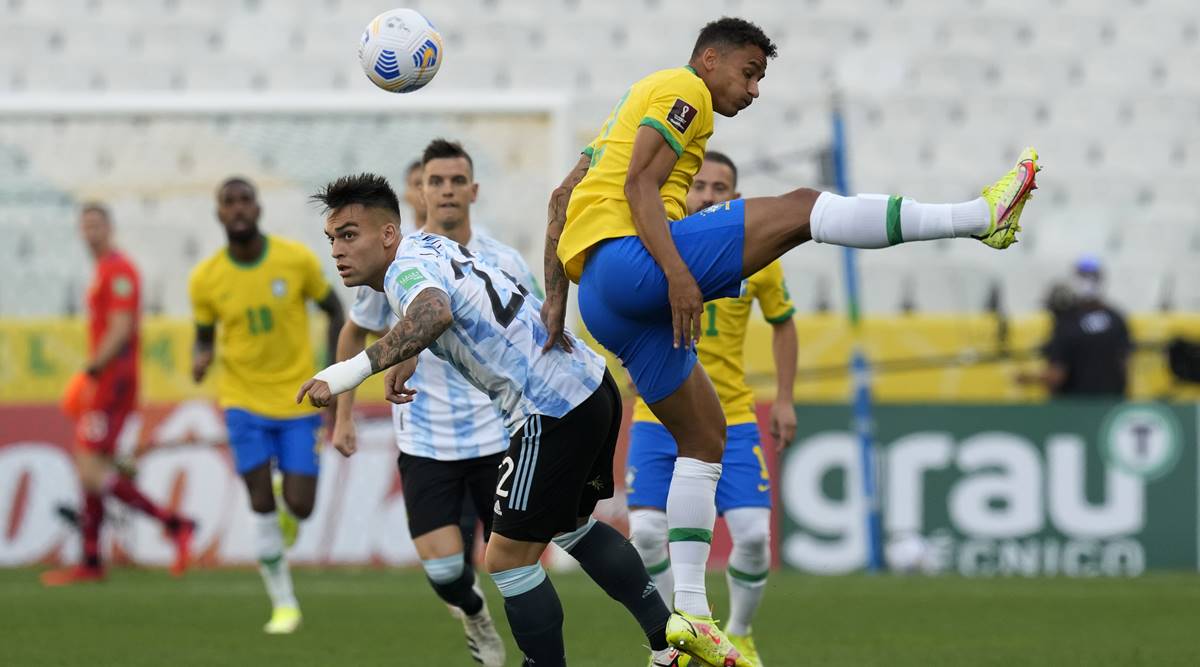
{"x": 100, "y": 425}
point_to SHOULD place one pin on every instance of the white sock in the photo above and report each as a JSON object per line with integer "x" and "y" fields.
{"x": 879, "y": 221}
{"x": 648, "y": 533}
{"x": 691, "y": 511}
{"x": 272, "y": 561}
{"x": 749, "y": 563}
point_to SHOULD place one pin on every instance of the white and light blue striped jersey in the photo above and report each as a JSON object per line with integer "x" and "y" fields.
{"x": 448, "y": 419}
{"x": 497, "y": 336}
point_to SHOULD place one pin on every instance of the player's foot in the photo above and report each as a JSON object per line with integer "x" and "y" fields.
{"x": 284, "y": 621}
{"x": 1006, "y": 199}
{"x": 482, "y": 638}
{"x": 78, "y": 574}
{"x": 745, "y": 645}
{"x": 699, "y": 637}
{"x": 182, "y": 535}
{"x": 669, "y": 657}
{"x": 288, "y": 525}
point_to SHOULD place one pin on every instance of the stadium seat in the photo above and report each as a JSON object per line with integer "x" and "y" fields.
{"x": 1106, "y": 94}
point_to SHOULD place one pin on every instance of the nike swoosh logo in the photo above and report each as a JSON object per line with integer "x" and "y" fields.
{"x": 1023, "y": 183}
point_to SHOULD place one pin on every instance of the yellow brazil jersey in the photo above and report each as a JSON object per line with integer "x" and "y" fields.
{"x": 264, "y": 351}
{"x": 677, "y": 104}
{"x": 724, "y": 337}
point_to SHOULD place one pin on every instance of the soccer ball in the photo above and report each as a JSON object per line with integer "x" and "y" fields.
{"x": 907, "y": 553}
{"x": 400, "y": 51}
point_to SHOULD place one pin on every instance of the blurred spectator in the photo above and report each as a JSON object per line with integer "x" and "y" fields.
{"x": 1088, "y": 350}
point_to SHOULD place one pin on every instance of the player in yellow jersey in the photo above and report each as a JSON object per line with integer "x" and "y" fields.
{"x": 744, "y": 490}
{"x": 617, "y": 227}
{"x": 250, "y": 303}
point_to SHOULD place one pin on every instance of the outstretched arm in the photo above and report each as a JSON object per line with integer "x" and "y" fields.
{"x": 554, "y": 308}
{"x": 424, "y": 320}
{"x": 649, "y": 166}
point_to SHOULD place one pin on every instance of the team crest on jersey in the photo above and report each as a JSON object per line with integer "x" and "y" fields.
{"x": 681, "y": 115}
{"x": 122, "y": 286}
{"x": 279, "y": 287}
{"x": 719, "y": 206}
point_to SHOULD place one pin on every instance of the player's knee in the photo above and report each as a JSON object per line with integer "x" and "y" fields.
{"x": 709, "y": 443}
{"x": 262, "y": 504}
{"x": 648, "y": 534}
{"x": 702, "y": 437}
{"x": 299, "y": 505}
{"x": 750, "y": 532}
{"x": 92, "y": 481}
{"x": 756, "y": 539}
{"x": 499, "y": 557}
{"x": 93, "y": 472}
{"x": 262, "y": 501}
{"x": 803, "y": 198}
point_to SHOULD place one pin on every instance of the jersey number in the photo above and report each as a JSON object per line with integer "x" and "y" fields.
{"x": 260, "y": 320}
{"x": 506, "y": 469}
{"x": 711, "y": 329}
{"x": 503, "y": 312}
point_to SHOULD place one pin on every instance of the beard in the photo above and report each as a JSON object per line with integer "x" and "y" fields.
{"x": 242, "y": 234}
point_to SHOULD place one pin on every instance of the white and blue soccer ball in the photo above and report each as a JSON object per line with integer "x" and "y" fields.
{"x": 400, "y": 51}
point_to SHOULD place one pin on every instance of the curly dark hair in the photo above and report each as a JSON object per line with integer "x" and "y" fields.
{"x": 728, "y": 31}
{"x": 370, "y": 190}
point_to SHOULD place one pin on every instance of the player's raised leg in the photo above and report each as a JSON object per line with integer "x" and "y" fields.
{"x": 774, "y": 225}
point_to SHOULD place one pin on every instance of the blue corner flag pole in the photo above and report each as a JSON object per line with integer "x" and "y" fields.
{"x": 864, "y": 425}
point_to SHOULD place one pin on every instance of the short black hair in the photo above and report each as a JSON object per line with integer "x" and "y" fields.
{"x": 721, "y": 158}
{"x": 370, "y": 190}
{"x": 728, "y": 31}
{"x": 444, "y": 148}
{"x": 96, "y": 207}
{"x": 412, "y": 166}
{"x": 236, "y": 180}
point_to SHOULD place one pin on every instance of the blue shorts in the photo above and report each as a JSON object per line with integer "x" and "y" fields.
{"x": 255, "y": 440}
{"x": 744, "y": 482}
{"x": 623, "y": 294}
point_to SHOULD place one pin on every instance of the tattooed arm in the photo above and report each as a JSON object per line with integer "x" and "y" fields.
{"x": 424, "y": 320}
{"x": 554, "y": 308}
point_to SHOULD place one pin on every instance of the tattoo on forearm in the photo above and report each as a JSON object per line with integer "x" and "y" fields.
{"x": 555, "y": 276}
{"x": 557, "y": 284}
{"x": 426, "y": 318}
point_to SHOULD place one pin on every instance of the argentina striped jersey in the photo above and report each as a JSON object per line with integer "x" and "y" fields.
{"x": 497, "y": 336}
{"x": 448, "y": 419}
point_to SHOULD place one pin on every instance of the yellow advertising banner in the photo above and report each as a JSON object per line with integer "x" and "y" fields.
{"x": 917, "y": 358}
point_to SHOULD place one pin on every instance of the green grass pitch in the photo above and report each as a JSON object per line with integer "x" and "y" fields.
{"x": 387, "y": 617}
